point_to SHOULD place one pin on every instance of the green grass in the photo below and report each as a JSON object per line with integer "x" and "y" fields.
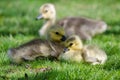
{"x": 18, "y": 25}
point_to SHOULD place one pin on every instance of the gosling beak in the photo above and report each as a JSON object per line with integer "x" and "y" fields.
{"x": 39, "y": 17}
{"x": 63, "y": 38}
{"x": 65, "y": 49}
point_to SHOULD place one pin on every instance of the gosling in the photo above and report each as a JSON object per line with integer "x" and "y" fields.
{"x": 77, "y": 52}
{"x": 48, "y": 13}
{"x": 38, "y": 47}
{"x": 73, "y": 50}
{"x": 83, "y": 27}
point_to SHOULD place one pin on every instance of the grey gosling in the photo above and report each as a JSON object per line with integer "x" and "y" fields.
{"x": 38, "y": 47}
{"x": 84, "y": 27}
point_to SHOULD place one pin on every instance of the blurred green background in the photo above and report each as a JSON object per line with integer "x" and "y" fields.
{"x": 18, "y": 16}
{"x": 18, "y": 25}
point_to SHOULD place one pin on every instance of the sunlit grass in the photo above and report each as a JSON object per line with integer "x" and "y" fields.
{"x": 18, "y": 25}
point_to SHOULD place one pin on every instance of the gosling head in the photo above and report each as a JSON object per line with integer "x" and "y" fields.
{"x": 47, "y": 12}
{"x": 57, "y": 34}
{"x": 74, "y": 42}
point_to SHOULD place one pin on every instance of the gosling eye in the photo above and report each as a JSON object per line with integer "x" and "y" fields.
{"x": 70, "y": 44}
{"x": 57, "y": 33}
{"x": 46, "y": 11}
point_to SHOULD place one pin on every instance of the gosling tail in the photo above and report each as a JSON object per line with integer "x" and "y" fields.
{"x": 11, "y": 53}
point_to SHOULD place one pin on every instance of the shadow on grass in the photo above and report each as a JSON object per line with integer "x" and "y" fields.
{"x": 112, "y": 32}
{"x": 112, "y": 65}
{"x": 49, "y": 75}
{"x": 20, "y": 31}
{"x": 41, "y": 76}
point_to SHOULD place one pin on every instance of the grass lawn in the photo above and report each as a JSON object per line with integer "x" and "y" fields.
{"x": 18, "y": 25}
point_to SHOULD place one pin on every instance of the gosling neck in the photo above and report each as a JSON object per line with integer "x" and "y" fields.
{"x": 51, "y": 21}
{"x": 48, "y": 24}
